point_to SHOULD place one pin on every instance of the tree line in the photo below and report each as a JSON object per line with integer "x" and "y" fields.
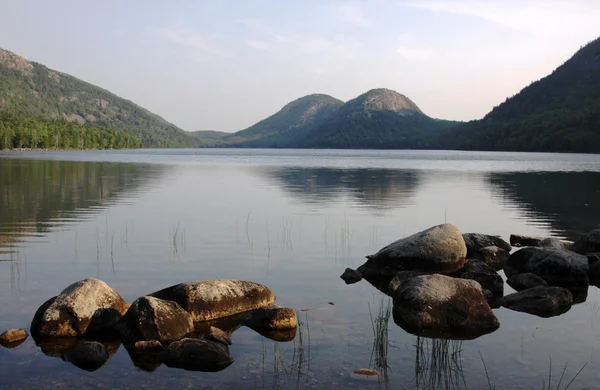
{"x": 19, "y": 131}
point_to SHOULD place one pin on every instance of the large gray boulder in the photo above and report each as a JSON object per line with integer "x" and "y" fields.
{"x": 209, "y": 299}
{"x": 87, "y": 306}
{"x": 438, "y": 249}
{"x": 542, "y": 301}
{"x": 485, "y": 275}
{"x": 588, "y": 244}
{"x": 477, "y": 241}
{"x": 150, "y": 318}
{"x": 197, "y": 355}
{"x": 440, "y": 304}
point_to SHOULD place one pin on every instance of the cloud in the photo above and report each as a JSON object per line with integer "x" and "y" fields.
{"x": 352, "y": 14}
{"x": 192, "y": 40}
{"x": 544, "y": 18}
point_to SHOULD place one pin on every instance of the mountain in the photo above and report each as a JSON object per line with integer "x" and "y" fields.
{"x": 209, "y": 134}
{"x": 559, "y": 113}
{"x": 32, "y": 90}
{"x": 378, "y": 119}
{"x": 293, "y": 121}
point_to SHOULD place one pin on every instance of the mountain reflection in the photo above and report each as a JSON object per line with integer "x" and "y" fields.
{"x": 568, "y": 201}
{"x": 37, "y": 196}
{"x": 373, "y": 188}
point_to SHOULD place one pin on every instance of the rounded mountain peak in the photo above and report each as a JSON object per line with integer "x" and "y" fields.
{"x": 386, "y": 99}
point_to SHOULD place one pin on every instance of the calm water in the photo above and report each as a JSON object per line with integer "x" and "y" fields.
{"x": 292, "y": 220}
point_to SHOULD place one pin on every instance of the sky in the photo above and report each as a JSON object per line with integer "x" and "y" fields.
{"x": 224, "y": 65}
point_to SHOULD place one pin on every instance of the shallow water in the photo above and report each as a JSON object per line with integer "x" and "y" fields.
{"x": 293, "y": 220}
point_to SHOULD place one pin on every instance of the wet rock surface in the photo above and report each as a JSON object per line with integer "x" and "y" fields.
{"x": 439, "y": 249}
{"x": 151, "y": 318}
{"x": 401, "y": 277}
{"x": 351, "y": 276}
{"x": 209, "y": 299}
{"x": 444, "y": 305}
{"x": 542, "y": 301}
{"x": 90, "y": 301}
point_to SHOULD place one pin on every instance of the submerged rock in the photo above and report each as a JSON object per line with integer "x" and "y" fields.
{"x": 524, "y": 281}
{"x": 476, "y": 241}
{"x": 542, "y": 301}
{"x": 88, "y": 355}
{"x": 150, "y": 318}
{"x": 438, "y": 249}
{"x": 210, "y": 299}
{"x": 197, "y": 355}
{"x": 351, "y": 276}
{"x": 493, "y": 256}
{"x": 443, "y": 305}
{"x": 485, "y": 275}
{"x": 87, "y": 303}
{"x": 272, "y": 318}
{"x": 588, "y": 244}
{"x": 13, "y": 338}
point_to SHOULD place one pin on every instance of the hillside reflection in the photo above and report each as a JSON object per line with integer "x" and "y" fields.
{"x": 372, "y": 188}
{"x": 37, "y": 196}
{"x": 568, "y": 201}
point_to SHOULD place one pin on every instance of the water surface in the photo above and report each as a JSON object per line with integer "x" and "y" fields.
{"x": 293, "y": 220}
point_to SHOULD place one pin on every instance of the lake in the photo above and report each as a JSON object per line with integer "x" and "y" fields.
{"x": 293, "y": 220}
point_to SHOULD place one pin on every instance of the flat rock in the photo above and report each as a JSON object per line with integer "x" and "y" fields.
{"x": 588, "y": 244}
{"x": 439, "y": 249}
{"x": 524, "y": 281}
{"x": 477, "y": 241}
{"x": 13, "y": 337}
{"x": 542, "y": 301}
{"x": 151, "y": 318}
{"x": 87, "y": 303}
{"x": 493, "y": 256}
{"x": 351, "y": 276}
{"x": 485, "y": 275}
{"x": 197, "y": 355}
{"x": 89, "y": 355}
{"x": 445, "y": 305}
{"x": 210, "y": 299}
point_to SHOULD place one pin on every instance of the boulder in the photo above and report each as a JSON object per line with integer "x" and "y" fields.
{"x": 476, "y": 241}
{"x": 150, "y": 318}
{"x": 554, "y": 243}
{"x": 588, "y": 244}
{"x": 401, "y": 277}
{"x": 493, "y": 256}
{"x": 210, "y": 299}
{"x": 13, "y": 338}
{"x": 351, "y": 276}
{"x": 88, "y": 355}
{"x": 524, "y": 281}
{"x": 87, "y": 303}
{"x": 216, "y": 334}
{"x": 485, "y": 275}
{"x": 517, "y": 260}
{"x": 559, "y": 268}
{"x": 447, "y": 306}
{"x": 518, "y": 240}
{"x": 197, "y": 355}
{"x": 439, "y": 249}
{"x": 542, "y": 301}
{"x": 594, "y": 273}
{"x": 271, "y": 319}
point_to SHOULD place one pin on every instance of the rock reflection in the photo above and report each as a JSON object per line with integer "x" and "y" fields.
{"x": 438, "y": 364}
{"x": 568, "y": 201}
{"x": 87, "y": 354}
{"x": 373, "y": 188}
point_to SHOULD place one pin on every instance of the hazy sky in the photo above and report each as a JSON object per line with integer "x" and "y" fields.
{"x": 226, "y": 64}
